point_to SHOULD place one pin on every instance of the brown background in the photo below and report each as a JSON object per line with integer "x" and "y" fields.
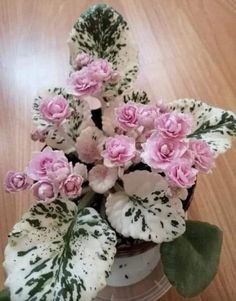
{"x": 187, "y": 49}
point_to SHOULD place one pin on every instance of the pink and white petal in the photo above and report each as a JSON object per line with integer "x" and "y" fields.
{"x": 142, "y": 182}
{"x": 81, "y": 170}
{"x": 93, "y": 102}
{"x": 101, "y": 178}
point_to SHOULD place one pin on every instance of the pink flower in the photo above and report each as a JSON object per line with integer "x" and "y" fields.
{"x": 44, "y": 191}
{"x": 174, "y": 125}
{"x": 16, "y": 181}
{"x": 59, "y": 170}
{"x": 82, "y": 83}
{"x": 146, "y": 115}
{"x": 102, "y": 178}
{"x": 160, "y": 152}
{"x": 54, "y": 109}
{"x": 119, "y": 150}
{"x": 182, "y": 174}
{"x": 47, "y": 164}
{"x": 203, "y": 155}
{"x": 126, "y": 115}
{"x": 72, "y": 186}
{"x": 101, "y": 69}
{"x": 82, "y": 59}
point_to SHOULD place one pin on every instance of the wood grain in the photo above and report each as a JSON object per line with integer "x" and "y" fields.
{"x": 187, "y": 49}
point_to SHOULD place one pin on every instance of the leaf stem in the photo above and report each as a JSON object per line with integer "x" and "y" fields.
{"x": 86, "y": 200}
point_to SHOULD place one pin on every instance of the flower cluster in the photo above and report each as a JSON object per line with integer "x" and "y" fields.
{"x": 47, "y": 174}
{"x": 147, "y": 134}
{"x": 90, "y": 76}
{"x": 158, "y": 138}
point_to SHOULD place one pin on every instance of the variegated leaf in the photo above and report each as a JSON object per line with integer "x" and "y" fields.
{"x": 138, "y": 97}
{"x": 103, "y": 33}
{"x": 146, "y": 212}
{"x": 57, "y": 253}
{"x": 214, "y": 125}
{"x": 80, "y": 118}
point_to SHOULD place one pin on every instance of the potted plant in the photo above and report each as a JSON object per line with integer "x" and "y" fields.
{"x": 113, "y": 181}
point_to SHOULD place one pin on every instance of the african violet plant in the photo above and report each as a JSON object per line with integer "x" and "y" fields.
{"x": 113, "y": 162}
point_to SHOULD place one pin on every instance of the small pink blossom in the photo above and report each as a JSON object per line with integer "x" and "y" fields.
{"x": 16, "y": 181}
{"x": 126, "y": 115}
{"x": 100, "y": 69}
{"x": 72, "y": 186}
{"x": 102, "y": 178}
{"x": 203, "y": 155}
{"x": 83, "y": 83}
{"x": 115, "y": 77}
{"x": 182, "y": 174}
{"x": 162, "y": 107}
{"x": 119, "y": 150}
{"x": 45, "y": 164}
{"x": 54, "y": 109}
{"x": 82, "y": 59}
{"x": 44, "y": 191}
{"x": 146, "y": 115}
{"x": 160, "y": 152}
{"x": 174, "y": 125}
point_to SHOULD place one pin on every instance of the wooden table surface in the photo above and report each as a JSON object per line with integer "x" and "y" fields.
{"x": 187, "y": 49}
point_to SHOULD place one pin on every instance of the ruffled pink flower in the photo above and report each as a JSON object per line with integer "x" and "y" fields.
{"x": 174, "y": 125}
{"x": 45, "y": 191}
{"x": 160, "y": 152}
{"x": 100, "y": 69}
{"x": 54, "y": 109}
{"x": 119, "y": 150}
{"x": 59, "y": 170}
{"x": 72, "y": 186}
{"x": 47, "y": 164}
{"x": 16, "y": 181}
{"x": 203, "y": 155}
{"x": 182, "y": 174}
{"x": 126, "y": 115}
{"x": 146, "y": 115}
{"x": 83, "y": 83}
{"x": 82, "y": 59}
{"x": 102, "y": 178}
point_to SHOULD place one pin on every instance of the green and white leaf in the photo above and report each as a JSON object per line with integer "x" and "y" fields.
{"x": 103, "y": 33}
{"x": 145, "y": 210}
{"x": 191, "y": 261}
{"x": 57, "y": 253}
{"x": 214, "y": 125}
{"x": 80, "y": 118}
{"x": 138, "y": 97}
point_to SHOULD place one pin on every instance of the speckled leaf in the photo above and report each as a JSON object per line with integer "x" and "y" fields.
{"x": 191, "y": 261}
{"x": 79, "y": 119}
{"x": 138, "y": 96}
{"x": 155, "y": 217}
{"x": 103, "y": 33}
{"x": 214, "y": 125}
{"x": 57, "y": 253}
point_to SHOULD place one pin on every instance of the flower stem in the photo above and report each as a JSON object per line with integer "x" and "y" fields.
{"x": 86, "y": 200}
